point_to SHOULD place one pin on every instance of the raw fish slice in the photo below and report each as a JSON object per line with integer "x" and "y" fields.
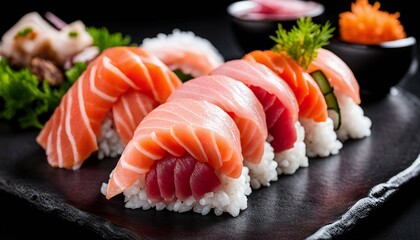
{"x": 310, "y": 98}
{"x": 198, "y": 128}
{"x": 180, "y": 178}
{"x": 128, "y": 112}
{"x": 278, "y": 100}
{"x": 238, "y": 101}
{"x": 337, "y": 72}
{"x": 70, "y": 135}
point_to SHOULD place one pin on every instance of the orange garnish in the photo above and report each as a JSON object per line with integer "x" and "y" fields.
{"x": 367, "y": 24}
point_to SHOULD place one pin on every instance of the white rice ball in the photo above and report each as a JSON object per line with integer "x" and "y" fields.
{"x": 354, "y": 124}
{"x": 109, "y": 142}
{"x": 264, "y": 172}
{"x": 320, "y": 138}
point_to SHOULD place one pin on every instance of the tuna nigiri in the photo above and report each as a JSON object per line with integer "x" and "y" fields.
{"x": 185, "y": 155}
{"x": 241, "y": 104}
{"x": 320, "y": 137}
{"x": 286, "y": 135}
{"x": 70, "y": 135}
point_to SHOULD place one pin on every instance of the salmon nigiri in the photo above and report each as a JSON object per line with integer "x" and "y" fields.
{"x": 354, "y": 124}
{"x": 281, "y": 108}
{"x": 320, "y": 137}
{"x": 242, "y": 105}
{"x": 70, "y": 135}
{"x": 335, "y": 79}
{"x": 184, "y": 155}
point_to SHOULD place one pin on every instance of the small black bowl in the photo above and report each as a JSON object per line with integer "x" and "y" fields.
{"x": 253, "y": 33}
{"x": 377, "y": 67}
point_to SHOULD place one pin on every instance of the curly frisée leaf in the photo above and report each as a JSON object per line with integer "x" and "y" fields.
{"x": 24, "y": 98}
{"x": 303, "y": 40}
{"x": 73, "y": 73}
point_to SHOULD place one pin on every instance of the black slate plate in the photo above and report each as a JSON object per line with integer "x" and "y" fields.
{"x": 313, "y": 203}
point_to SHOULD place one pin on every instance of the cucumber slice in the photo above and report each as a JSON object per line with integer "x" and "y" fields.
{"x": 328, "y": 92}
{"x": 183, "y": 76}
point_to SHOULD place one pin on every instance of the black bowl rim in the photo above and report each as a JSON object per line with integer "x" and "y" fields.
{"x": 394, "y": 44}
{"x": 233, "y": 11}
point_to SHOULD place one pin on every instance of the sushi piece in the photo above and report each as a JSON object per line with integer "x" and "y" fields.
{"x": 185, "y": 53}
{"x": 286, "y": 135}
{"x": 240, "y": 103}
{"x": 320, "y": 137}
{"x": 354, "y": 124}
{"x": 32, "y": 36}
{"x": 185, "y": 155}
{"x": 71, "y": 134}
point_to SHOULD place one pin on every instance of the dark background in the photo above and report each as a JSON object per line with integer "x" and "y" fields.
{"x": 142, "y": 13}
{"x": 397, "y": 219}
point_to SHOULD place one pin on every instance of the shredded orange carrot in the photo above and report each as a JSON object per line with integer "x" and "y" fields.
{"x": 366, "y": 24}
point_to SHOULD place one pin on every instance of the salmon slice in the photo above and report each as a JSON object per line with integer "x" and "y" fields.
{"x": 239, "y": 102}
{"x": 339, "y": 74}
{"x": 70, "y": 135}
{"x": 278, "y": 100}
{"x": 128, "y": 112}
{"x": 202, "y": 129}
{"x": 310, "y": 98}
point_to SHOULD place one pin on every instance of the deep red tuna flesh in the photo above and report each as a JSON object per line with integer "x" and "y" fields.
{"x": 179, "y": 178}
{"x": 277, "y": 119}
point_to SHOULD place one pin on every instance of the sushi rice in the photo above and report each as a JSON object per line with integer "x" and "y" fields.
{"x": 109, "y": 142}
{"x": 320, "y": 138}
{"x": 264, "y": 172}
{"x": 354, "y": 124}
{"x": 291, "y": 159}
{"x": 230, "y": 197}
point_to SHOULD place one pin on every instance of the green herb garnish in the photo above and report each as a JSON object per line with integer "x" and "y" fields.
{"x": 103, "y": 39}
{"x": 24, "y": 32}
{"x": 73, "y": 34}
{"x": 302, "y": 41}
{"x": 25, "y": 98}
{"x": 73, "y": 73}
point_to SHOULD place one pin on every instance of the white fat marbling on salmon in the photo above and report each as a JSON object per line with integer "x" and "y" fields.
{"x": 122, "y": 123}
{"x": 68, "y": 130}
{"x": 143, "y": 151}
{"x": 83, "y": 109}
{"x": 130, "y": 167}
{"x": 141, "y": 103}
{"x": 162, "y": 145}
{"x": 108, "y": 65}
{"x": 94, "y": 89}
{"x": 59, "y": 151}
{"x": 130, "y": 117}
